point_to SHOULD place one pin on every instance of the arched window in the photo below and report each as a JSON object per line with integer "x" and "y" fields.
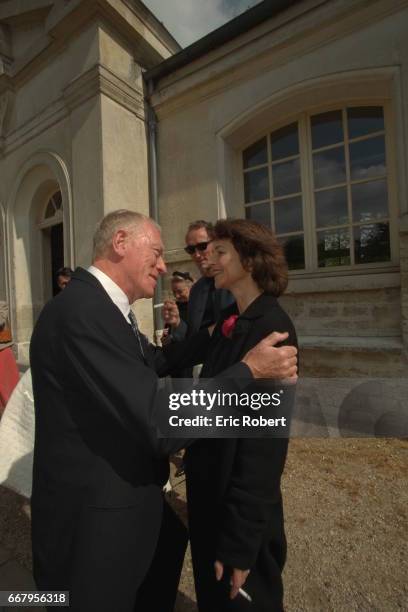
{"x": 52, "y": 212}
{"x": 321, "y": 183}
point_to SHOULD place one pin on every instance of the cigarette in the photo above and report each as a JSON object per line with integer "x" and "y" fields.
{"x": 158, "y": 305}
{"x": 245, "y": 595}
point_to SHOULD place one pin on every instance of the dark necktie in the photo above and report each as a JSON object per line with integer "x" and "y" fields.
{"x": 135, "y": 329}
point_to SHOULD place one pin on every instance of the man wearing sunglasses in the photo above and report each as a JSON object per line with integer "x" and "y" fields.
{"x": 205, "y": 301}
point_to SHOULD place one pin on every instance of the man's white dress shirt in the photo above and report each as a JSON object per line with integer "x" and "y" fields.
{"x": 116, "y": 294}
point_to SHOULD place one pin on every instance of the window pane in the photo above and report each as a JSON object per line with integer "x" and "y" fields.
{"x": 372, "y": 243}
{"x": 256, "y": 154}
{"x": 50, "y": 210}
{"x": 294, "y": 251}
{"x": 367, "y": 158}
{"x": 333, "y": 247}
{"x": 260, "y": 213}
{"x": 286, "y": 178}
{"x": 370, "y": 201}
{"x": 57, "y": 200}
{"x": 364, "y": 120}
{"x": 256, "y": 185}
{"x": 331, "y": 207}
{"x": 327, "y": 129}
{"x": 288, "y": 215}
{"x": 285, "y": 142}
{"x": 329, "y": 167}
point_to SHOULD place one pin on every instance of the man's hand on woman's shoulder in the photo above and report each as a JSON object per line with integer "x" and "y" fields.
{"x": 266, "y": 360}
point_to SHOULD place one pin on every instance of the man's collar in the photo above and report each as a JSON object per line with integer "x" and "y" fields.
{"x": 116, "y": 294}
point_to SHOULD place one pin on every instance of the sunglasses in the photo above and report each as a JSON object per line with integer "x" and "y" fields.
{"x": 200, "y": 246}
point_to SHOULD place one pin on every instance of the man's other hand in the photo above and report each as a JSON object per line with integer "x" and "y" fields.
{"x": 266, "y": 360}
{"x": 171, "y": 313}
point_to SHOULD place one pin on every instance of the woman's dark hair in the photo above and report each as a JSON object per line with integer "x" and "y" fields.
{"x": 258, "y": 250}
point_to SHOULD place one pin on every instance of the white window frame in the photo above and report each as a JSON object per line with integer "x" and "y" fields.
{"x": 363, "y": 87}
{"x": 306, "y": 170}
{"x": 58, "y": 216}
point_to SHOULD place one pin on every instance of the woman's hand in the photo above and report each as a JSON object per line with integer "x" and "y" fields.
{"x": 238, "y": 577}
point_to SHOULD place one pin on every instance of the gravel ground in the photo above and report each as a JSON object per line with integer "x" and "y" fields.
{"x": 346, "y": 508}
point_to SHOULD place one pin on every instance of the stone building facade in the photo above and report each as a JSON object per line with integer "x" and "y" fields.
{"x": 295, "y": 113}
{"x": 73, "y": 125}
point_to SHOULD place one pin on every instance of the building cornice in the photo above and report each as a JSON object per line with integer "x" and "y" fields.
{"x": 24, "y": 10}
{"x": 145, "y": 36}
{"x": 100, "y": 80}
{"x": 223, "y": 35}
{"x": 302, "y": 29}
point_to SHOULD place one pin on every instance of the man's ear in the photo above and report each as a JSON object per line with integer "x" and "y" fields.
{"x": 119, "y": 242}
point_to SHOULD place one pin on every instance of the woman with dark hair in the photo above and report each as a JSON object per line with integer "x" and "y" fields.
{"x": 233, "y": 485}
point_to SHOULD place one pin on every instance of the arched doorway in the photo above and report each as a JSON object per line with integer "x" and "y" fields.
{"x": 39, "y": 240}
{"x": 52, "y": 239}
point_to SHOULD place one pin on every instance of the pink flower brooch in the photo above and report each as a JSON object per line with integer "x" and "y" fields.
{"x": 228, "y": 326}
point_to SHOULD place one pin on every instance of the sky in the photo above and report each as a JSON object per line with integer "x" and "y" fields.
{"x": 189, "y": 20}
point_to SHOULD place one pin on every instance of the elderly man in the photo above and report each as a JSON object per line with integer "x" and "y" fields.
{"x": 99, "y": 468}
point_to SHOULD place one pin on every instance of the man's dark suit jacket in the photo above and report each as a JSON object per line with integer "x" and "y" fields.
{"x": 197, "y": 302}
{"x": 98, "y": 465}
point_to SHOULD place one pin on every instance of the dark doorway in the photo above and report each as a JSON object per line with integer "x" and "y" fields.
{"x": 57, "y": 253}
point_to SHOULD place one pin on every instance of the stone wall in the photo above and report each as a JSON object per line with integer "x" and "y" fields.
{"x": 346, "y": 313}
{"x": 404, "y": 277}
{"x": 74, "y": 120}
{"x": 350, "y": 324}
{"x": 329, "y": 363}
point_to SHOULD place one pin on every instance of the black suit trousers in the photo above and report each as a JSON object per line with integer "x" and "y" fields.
{"x": 158, "y": 591}
{"x": 115, "y": 565}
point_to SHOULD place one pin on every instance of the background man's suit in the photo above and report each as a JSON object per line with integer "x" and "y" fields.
{"x": 205, "y": 305}
{"x": 98, "y": 473}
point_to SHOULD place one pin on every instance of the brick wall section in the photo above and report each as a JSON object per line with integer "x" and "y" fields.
{"x": 348, "y": 313}
{"x": 366, "y": 313}
{"x": 324, "y": 363}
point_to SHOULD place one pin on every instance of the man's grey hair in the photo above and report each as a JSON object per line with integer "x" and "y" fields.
{"x": 121, "y": 219}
